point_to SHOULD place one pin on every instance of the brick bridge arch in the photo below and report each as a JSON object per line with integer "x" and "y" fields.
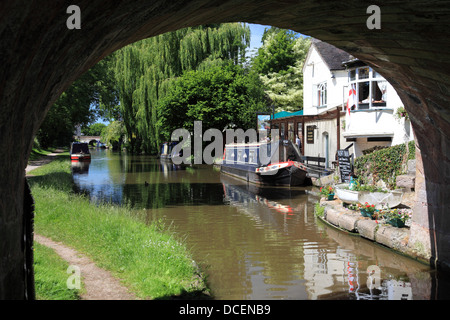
{"x": 88, "y": 139}
{"x": 40, "y": 58}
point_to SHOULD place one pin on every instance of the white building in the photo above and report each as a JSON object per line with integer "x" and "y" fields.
{"x": 328, "y": 75}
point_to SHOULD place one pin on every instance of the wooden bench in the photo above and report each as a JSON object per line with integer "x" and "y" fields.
{"x": 316, "y": 166}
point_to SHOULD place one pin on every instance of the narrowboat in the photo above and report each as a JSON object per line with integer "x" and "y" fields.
{"x": 166, "y": 150}
{"x": 80, "y": 151}
{"x": 251, "y": 162}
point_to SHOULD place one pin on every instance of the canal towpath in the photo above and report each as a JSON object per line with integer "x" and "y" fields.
{"x": 99, "y": 284}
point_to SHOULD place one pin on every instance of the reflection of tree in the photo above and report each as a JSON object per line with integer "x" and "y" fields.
{"x": 160, "y": 194}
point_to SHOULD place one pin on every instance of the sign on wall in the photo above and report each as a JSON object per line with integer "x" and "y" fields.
{"x": 310, "y": 134}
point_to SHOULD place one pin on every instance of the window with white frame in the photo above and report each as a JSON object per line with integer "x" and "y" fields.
{"x": 370, "y": 87}
{"x": 320, "y": 95}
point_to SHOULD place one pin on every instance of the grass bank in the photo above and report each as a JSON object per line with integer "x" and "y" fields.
{"x": 50, "y": 273}
{"x": 148, "y": 259}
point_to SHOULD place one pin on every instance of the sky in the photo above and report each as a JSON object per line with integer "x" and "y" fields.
{"x": 256, "y": 33}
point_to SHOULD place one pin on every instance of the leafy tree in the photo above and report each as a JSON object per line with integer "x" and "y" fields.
{"x": 94, "y": 129}
{"x": 78, "y": 105}
{"x": 217, "y": 96}
{"x": 277, "y": 53}
{"x": 279, "y": 63}
{"x": 146, "y": 70}
{"x": 113, "y": 134}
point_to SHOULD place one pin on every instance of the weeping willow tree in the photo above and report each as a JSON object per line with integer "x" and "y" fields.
{"x": 145, "y": 71}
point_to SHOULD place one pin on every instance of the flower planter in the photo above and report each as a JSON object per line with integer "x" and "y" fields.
{"x": 366, "y": 213}
{"x": 346, "y": 195}
{"x": 396, "y": 223}
{"x": 330, "y": 197}
{"x": 379, "y": 199}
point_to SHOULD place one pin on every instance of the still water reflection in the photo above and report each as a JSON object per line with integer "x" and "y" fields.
{"x": 255, "y": 242}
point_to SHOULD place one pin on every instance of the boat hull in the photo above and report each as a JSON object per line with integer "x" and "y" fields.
{"x": 287, "y": 176}
{"x": 290, "y": 175}
{"x": 80, "y": 157}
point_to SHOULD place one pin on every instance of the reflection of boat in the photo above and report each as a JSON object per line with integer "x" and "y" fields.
{"x": 245, "y": 161}
{"x": 166, "y": 166}
{"x": 278, "y": 199}
{"x": 80, "y": 167}
{"x": 80, "y": 151}
{"x": 166, "y": 150}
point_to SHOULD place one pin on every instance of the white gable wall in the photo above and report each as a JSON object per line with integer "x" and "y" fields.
{"x": 364, "y": 123}
{"x": 315, "y": 72}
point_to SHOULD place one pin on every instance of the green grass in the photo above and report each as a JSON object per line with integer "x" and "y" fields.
{"x": 50, "y": 273}
{"x": 319, "y": 210}
{"x": 149, "y": 260}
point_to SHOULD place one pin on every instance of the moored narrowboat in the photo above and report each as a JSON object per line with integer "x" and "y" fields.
{"x": 79, "y": 151}
{"x": 166, "y": 150}
{"x": 258, "y": 163}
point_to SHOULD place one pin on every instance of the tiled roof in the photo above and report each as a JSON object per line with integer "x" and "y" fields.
{"x": 332, "y": 56}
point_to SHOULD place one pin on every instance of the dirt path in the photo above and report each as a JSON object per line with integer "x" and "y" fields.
{"x": 44, "y": 160}
{"x": 99, "y": 284}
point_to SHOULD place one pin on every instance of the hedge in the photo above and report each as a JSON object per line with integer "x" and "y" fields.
{"x": 385, "y": 164}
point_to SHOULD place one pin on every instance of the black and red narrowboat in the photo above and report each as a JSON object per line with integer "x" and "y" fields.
{"x": 267, "y": 163}
{"x": 79, "y": 151}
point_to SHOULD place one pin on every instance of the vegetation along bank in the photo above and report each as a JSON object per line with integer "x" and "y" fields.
{"x": 148, "y": 259}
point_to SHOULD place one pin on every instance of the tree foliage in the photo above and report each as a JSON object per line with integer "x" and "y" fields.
{"x": 279, "y": 62}
{"x": 80, "y": 104}
{"x": 94, "y": 129}
{"x": 218, "y": 96}
{"x": 146, "y": 70}
{"x": 113, "y": 134}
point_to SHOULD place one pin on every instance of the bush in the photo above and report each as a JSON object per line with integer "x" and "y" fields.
{"x": 385, "y": 164}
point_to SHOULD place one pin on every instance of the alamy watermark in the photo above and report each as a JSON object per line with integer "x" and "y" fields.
{"x": 374, "y": 21}
{"x": 74, "y": 280}
{"x": 74, "y": 20}
{"x": 182, "y": 152}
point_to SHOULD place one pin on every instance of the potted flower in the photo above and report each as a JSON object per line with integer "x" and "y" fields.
{"x": 328, "y": 192}
{"x": 397, "y": 217}
{"x": 401, "y": 113}
{"x": 367, "y": 210}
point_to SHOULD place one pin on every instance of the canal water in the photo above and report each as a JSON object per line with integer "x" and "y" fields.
{"x": 255, "y": 242}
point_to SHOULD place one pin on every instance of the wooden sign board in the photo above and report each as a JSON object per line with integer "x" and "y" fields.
{"x": 345, "y": 165}
{"x": 309, "y": 134}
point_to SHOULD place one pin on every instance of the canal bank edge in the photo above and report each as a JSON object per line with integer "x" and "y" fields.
{"x": 351, "y": 222}
{"x": 101, "y": 284}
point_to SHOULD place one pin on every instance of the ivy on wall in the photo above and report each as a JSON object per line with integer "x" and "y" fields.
{"x": 385, "y": 164}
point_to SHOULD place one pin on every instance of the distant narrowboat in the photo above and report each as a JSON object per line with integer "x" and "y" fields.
{"x": 166, "y": 150}
{"x": 80, "y": 151}
{"x": 245, "y": 161}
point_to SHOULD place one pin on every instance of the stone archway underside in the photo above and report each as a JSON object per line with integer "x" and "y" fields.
{"x": 40, "y": 57}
